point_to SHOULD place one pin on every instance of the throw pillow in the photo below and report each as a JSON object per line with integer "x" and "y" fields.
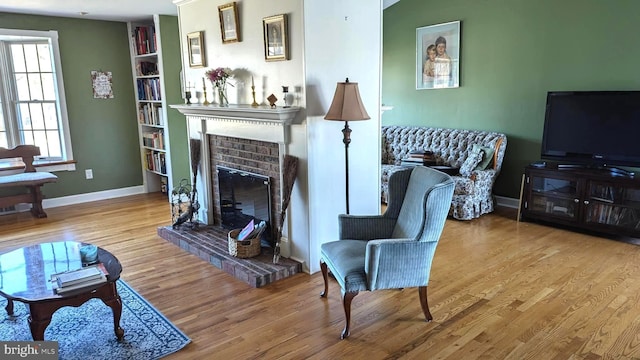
{"x": 475, "y": 157}
{"x": 488, "y": 156}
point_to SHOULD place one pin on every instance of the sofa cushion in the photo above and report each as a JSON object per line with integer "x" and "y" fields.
{"x": 488, "y": 156}
{"x": 475, "y": 157}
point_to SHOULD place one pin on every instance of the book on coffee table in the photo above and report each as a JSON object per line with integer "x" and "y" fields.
{"x": 81, "y": 285}
{"x": 80, "y": 278}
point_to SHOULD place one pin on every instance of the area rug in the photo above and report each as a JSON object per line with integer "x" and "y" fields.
{"x": 86, "y": 332}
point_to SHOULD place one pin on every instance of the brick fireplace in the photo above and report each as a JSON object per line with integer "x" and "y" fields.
{"x": 248, "y": 139}
{"x": 253, "y": 156}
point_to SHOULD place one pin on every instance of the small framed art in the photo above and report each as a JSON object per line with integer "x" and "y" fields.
{"x": 195, "y": 42}
{"x": 276, "y": 46}
{"x": 438, "y": 56}
{"x": 229, "y": 25}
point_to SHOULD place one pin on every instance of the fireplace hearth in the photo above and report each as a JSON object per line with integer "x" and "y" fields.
{"x": 209, "y": 243}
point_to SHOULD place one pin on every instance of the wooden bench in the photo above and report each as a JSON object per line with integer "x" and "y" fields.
{"x": 29, "y": 178}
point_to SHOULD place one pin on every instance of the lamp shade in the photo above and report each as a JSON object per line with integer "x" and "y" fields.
{"x": 347, "y": 104}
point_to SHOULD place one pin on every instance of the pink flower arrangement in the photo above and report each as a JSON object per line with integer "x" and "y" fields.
{"x": 219, "y": 76}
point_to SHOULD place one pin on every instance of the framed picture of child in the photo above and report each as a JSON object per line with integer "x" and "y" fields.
{"x": 438, "y": 56}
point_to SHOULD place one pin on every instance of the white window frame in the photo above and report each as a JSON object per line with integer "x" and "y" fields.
{"x": 67, "y": 163}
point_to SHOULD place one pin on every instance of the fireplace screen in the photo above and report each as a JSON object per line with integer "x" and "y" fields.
{"x": 244, "y": 197}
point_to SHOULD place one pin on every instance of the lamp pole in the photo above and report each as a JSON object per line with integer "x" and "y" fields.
{"x": 346, "y": 132}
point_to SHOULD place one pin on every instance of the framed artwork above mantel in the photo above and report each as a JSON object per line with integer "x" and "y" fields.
{"x": 229, "y": 23}
{"x": 195, "y": 43}
{"x": 276, "y": 42}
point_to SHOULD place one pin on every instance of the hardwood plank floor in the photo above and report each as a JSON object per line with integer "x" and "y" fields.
{"x": 499, "y": 289}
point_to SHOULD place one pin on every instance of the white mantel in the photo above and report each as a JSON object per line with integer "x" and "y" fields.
{"x": 243, "y": 121}
{"x": 284, "y": 115}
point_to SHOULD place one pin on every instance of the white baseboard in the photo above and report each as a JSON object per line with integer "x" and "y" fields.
{"x": 88, "y": 197}
{"x": 507, "y": 202}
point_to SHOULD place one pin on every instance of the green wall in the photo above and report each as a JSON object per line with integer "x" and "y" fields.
{"x": 103, "y": 132}
{"x": 513, "y": 52}
{"x": 177, "y": 124}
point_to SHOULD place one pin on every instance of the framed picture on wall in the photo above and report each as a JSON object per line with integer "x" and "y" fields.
{"x": 229, "y": 25}
{"x": 195, "y": 42}
{"x": 276, "y": 42}
{"x": 438, "y": 56}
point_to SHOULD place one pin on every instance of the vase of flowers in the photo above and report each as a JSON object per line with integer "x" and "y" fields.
{"x": 218, "y": 78}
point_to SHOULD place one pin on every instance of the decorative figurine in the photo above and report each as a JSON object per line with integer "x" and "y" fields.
{"x": 272, "y": 100}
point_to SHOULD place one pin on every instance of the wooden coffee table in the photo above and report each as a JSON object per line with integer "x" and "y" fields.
{"x": 25, "y": 276}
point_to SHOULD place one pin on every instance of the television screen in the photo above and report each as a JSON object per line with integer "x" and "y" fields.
{"x": 592, "y": 128}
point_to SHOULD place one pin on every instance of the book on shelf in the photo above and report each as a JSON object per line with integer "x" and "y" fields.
{"x": 144, "y": 38}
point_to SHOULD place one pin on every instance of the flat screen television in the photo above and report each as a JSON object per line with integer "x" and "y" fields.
{"x": 592, "y": 128}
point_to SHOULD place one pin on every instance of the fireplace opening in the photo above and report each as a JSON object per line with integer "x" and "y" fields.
{"x": 244, "y": 196}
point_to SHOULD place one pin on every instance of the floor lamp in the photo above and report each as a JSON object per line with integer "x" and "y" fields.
{"x": 347, "y": 106}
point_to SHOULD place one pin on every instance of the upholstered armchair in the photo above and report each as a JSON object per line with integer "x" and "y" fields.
{"x": 394, "y": 250}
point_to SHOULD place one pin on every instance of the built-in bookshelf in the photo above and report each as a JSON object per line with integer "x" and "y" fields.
{"x": 149, "y": 75}
{"x": 589, "y": 199}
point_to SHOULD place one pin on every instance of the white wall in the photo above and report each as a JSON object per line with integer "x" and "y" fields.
{"x": 329, "y": 41}
{"x": 342, "y": 39}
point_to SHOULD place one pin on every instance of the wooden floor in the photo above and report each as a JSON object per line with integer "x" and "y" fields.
{"x": 499, "y": 290}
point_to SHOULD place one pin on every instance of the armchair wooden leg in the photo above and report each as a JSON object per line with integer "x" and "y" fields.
{"x": 323, "y": 268}
{"x": 422, "y": 290}
{"x": 346, "y": 301}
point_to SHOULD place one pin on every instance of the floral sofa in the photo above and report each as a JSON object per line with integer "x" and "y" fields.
{"x": 478, "y": 154}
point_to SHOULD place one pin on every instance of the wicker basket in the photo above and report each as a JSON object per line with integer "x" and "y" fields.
{"x": 245, "y": 248}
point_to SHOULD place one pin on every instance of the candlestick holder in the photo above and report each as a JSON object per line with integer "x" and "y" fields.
{"x": 285, "y": 91}
{"x": 253, "y": 94}
{"x": 187, "y": 96}
{"x": 204, "y": 95}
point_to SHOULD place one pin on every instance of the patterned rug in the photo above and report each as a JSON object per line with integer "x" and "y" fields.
{"x": 86, "y": 332}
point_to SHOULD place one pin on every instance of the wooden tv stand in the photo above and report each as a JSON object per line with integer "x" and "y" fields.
{"x": 588, "y": 199}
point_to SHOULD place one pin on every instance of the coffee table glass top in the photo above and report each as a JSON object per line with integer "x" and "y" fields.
{"x": 25, "y": 273}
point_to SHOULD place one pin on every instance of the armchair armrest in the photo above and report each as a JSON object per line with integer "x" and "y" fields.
{"x": 365, "y": 227}
{"x": 398, "y": 263}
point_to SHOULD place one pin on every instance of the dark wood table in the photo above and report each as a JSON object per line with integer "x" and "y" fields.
{"x": 25, "y": 276}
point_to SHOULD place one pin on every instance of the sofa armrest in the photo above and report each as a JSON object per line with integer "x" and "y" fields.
{"x": 483, "y": 180}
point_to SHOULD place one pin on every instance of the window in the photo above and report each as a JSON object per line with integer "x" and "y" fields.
{"x": 32, "y": 101}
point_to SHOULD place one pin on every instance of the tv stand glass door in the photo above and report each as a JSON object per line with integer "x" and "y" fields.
{"x": 613, "y": 206}
{"x": 553, "y": 196}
